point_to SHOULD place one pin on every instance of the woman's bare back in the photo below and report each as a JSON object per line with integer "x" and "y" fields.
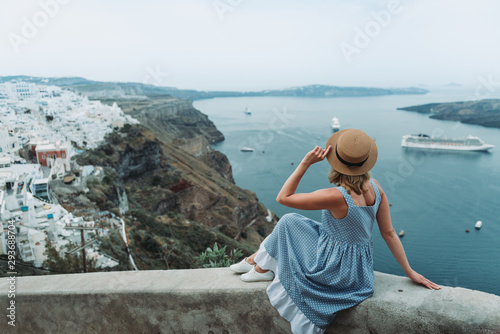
{"x": 366, "y": 198}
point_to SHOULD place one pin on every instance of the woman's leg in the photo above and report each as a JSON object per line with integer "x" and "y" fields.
{"x": 251, "y": 260}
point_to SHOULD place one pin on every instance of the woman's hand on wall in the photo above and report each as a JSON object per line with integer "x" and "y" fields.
{"x": 416, "y": 277}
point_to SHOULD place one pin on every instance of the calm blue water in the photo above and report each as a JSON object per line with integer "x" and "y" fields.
{"x": 435, "y": 197}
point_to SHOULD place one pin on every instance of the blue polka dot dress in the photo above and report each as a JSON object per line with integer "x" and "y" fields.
{"x": 320, "y": 268}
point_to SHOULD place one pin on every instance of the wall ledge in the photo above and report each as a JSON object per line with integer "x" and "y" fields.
{"x": 217, "y": 301}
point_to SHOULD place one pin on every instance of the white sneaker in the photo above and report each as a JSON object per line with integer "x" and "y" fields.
{"x": 241, "y": 267}
{"x": 253, "y": 276}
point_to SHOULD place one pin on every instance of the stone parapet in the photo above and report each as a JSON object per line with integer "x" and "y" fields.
{"x": 215, "y": 301}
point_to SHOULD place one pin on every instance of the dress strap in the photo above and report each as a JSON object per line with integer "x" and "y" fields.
{"x": 346, "y": 195}
{"x": 378, "y": 198}
{"x": 349, "y": 200}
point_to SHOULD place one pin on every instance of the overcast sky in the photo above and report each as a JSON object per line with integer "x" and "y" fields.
{"x": 253, "y": 44}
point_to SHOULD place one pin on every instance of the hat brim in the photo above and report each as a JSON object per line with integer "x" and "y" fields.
{"x": 350, "y": 170}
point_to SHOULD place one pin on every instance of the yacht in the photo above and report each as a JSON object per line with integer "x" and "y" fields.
{"x": 478, "y": 225}
{"x": 335, "y": 124}
{"x": 423, "y": 141}
{"x": 247, "y": 111}
{"x": 246, "y": 149}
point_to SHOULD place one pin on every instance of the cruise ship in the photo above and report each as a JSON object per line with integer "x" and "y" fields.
{"x": 423, "y": 141}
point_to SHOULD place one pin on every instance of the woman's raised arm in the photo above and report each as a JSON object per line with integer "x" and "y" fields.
{"x": 317, "y": 200}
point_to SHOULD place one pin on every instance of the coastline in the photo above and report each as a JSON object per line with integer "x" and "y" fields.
{"x": 484, "y": 112}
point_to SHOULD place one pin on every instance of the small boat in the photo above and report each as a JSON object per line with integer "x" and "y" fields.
{"x": 335, "y": 124}
{"x": 247, "y": 111}
{"x": 478, "y": 225}
{"x": 246, "y": 149}
{"x": 401, "y": 233}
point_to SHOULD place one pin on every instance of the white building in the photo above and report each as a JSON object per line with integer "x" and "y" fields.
{"x": 15, "y": 179}
{"x": 44, "y": 117}
{"x": 8, "y": 142}
{"x": 31, "y": 245}
{"x": 21, "y": 90}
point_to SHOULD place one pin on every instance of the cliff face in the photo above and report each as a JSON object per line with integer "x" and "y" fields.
{"x": 199, "y": 191}
{"x": 180, "y": 192}
{"x": 219, "y": 162}
{"x": 484, "y": 112}
{"x": 136, "y": 162}
{"x": 170, "y": 118}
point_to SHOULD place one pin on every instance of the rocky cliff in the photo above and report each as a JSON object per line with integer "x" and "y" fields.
{"x": 180, "y": 192}
{"x": 171, "y": 118}
{"x": 483, "y": 112}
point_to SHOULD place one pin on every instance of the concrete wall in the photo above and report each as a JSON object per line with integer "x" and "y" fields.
{"x": 215, "y": 301}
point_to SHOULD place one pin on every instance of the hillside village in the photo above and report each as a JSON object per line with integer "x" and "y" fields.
{"x": 41, "y": 128}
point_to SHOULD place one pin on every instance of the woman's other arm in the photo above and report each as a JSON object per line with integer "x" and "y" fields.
{"x": 395, "y": 245}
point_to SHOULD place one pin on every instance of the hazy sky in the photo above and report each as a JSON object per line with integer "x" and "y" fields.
{"x": 253, "y": 44}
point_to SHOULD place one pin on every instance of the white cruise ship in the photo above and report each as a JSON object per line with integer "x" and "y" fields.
{"x": 423, "y": 141}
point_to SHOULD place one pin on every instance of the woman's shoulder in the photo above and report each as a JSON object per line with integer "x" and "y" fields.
{"x": 333, "y": 192}
{"x": 381, "y": 191}
{"x": 333, "y": 195}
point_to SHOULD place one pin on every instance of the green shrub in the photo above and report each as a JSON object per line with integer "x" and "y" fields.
{"x": 66, "y": 263}
{"x": 125, "y": 128}
{"x": 217, "y": 257}
{"x": 150, "y": 244}
{"x": 156, "y": 180}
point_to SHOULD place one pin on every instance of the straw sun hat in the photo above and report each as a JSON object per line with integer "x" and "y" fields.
{"x": 353, "y": 152}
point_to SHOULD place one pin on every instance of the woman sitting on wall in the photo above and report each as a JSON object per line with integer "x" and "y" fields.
{"x": 317, "y": 268}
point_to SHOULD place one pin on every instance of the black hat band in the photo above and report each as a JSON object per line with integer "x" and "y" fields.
{"x": 347, "y": 163}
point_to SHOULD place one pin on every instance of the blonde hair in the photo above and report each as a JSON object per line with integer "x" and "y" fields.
{"x": 349, "y": 182}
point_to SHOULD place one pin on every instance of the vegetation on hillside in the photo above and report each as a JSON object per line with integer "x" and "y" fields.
{"x": 179, "y": 206}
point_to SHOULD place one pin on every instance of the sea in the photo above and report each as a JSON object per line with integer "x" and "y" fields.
{"x": 434, "y": 196}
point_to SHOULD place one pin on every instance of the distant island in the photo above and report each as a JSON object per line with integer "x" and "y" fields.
{"x": 98, "y": 90}
{"x": 483, "y": 112}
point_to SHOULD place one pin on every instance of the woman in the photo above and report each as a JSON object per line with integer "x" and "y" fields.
{"x": 322, "y": 268}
